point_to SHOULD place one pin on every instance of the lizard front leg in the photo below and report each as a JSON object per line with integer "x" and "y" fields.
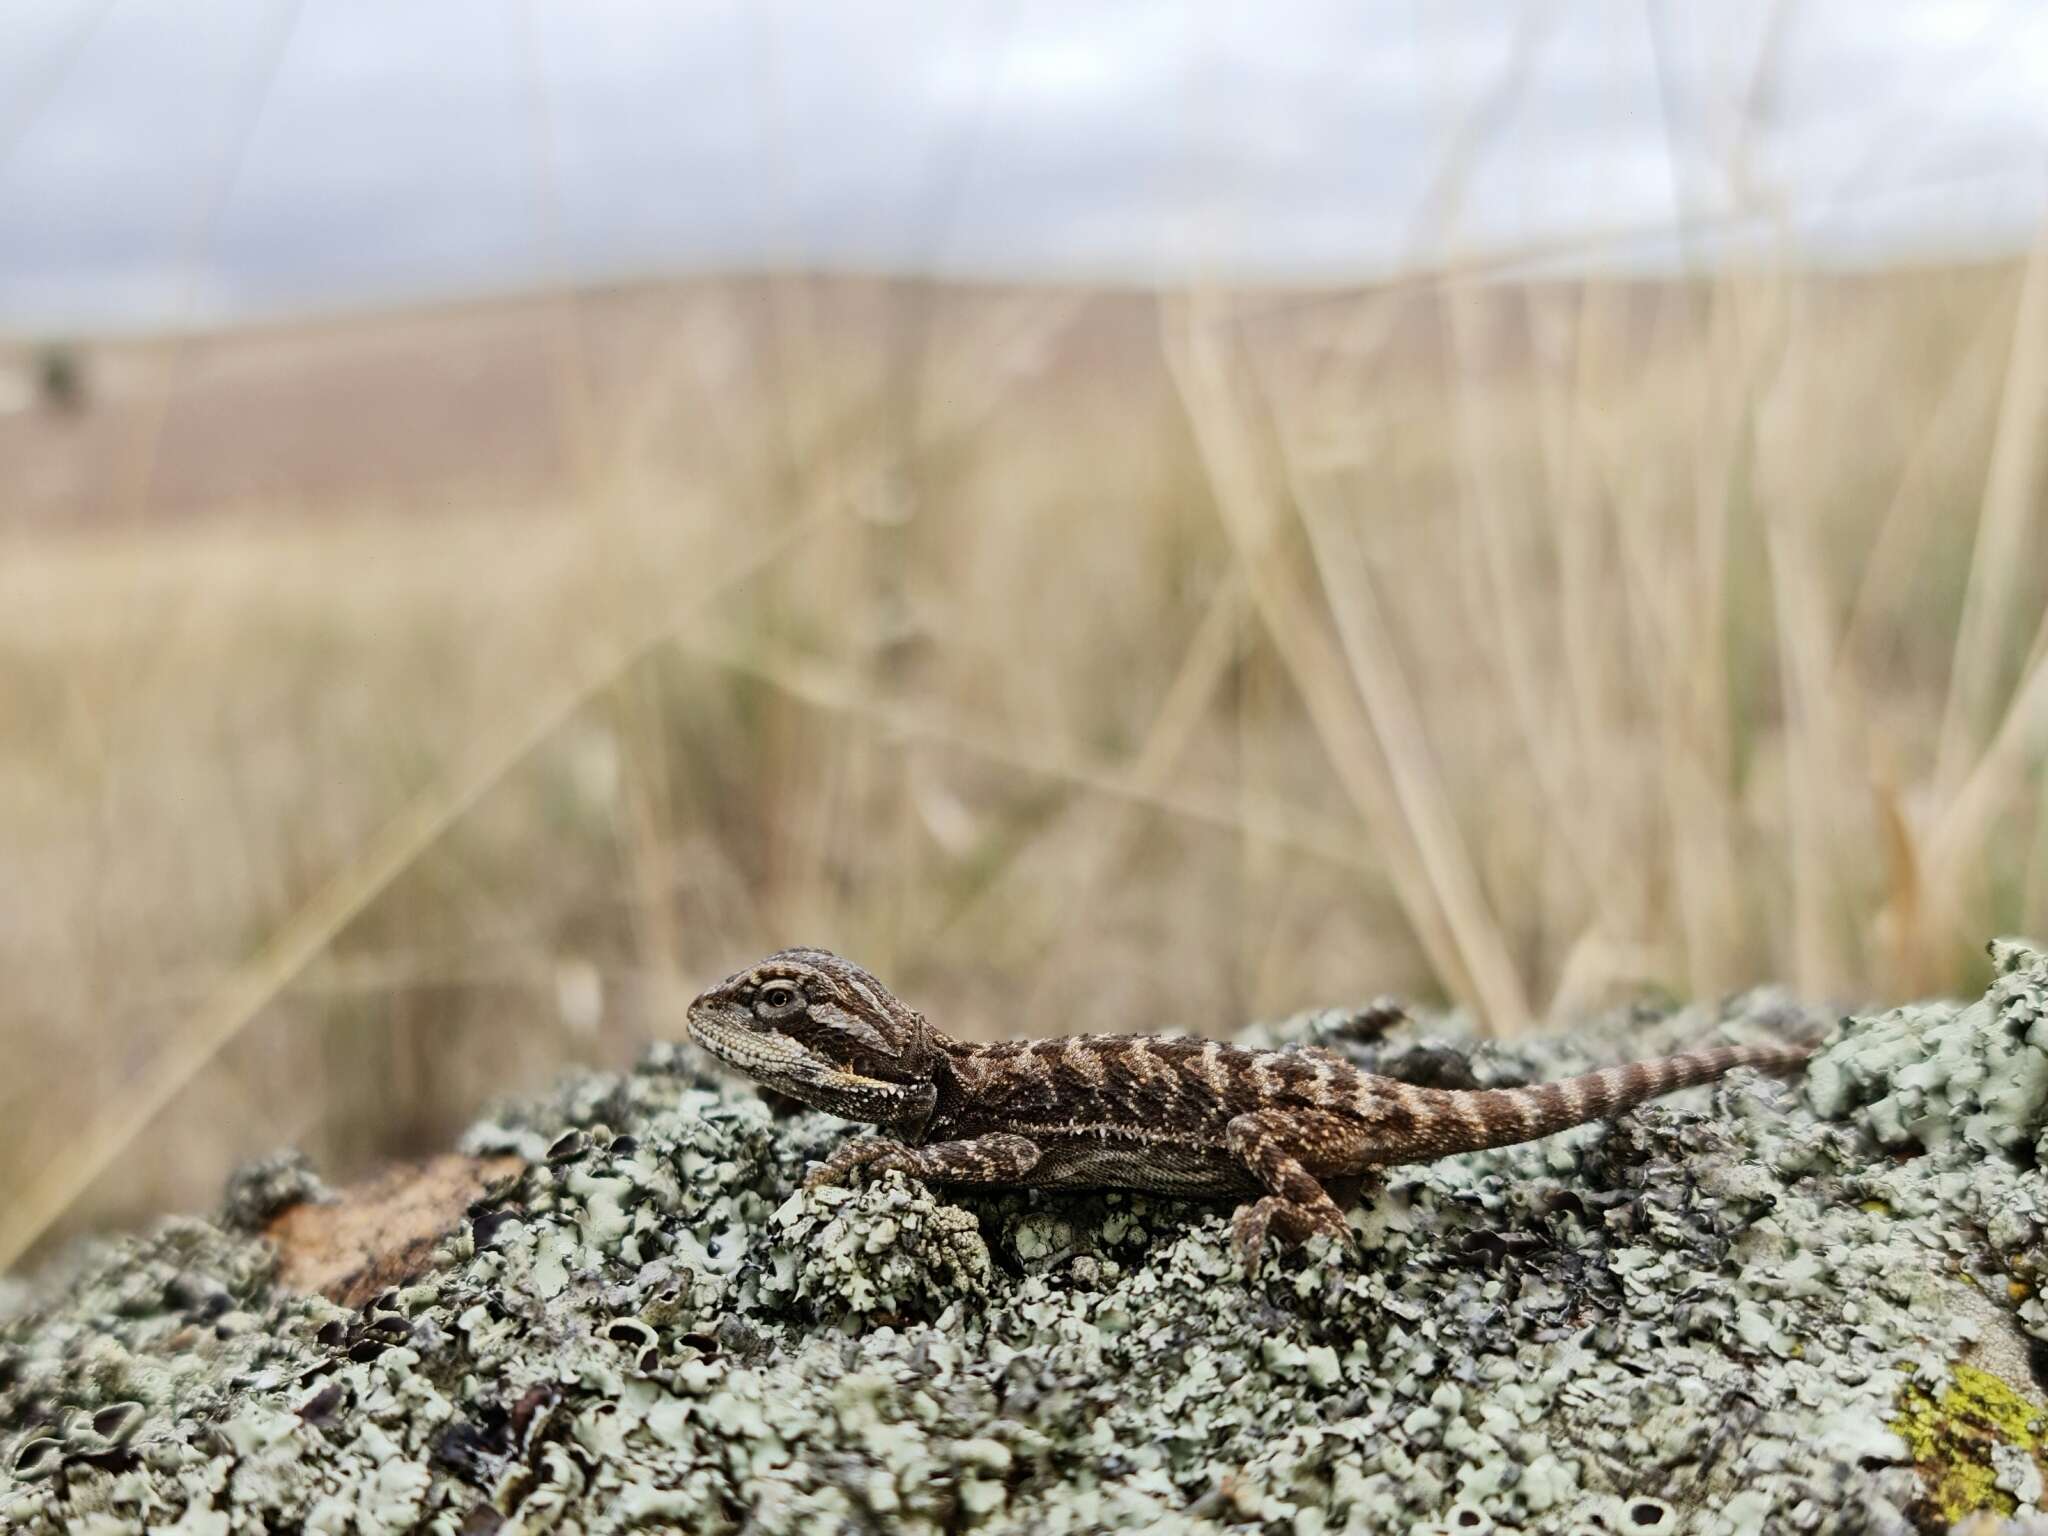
{"x": 1279, "y": 1149}
{"x": 994, "y": 1159}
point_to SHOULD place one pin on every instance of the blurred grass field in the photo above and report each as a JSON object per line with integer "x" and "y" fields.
{"x": 401, "y": 707}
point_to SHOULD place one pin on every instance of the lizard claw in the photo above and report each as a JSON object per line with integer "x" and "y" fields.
{"x": 1248, "y": 1231}
{"x": 1287, "y": 1220}
{"x": 862, "y": 1158}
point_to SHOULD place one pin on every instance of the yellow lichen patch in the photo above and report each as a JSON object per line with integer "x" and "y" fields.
{"x": 1952, "y": 1439}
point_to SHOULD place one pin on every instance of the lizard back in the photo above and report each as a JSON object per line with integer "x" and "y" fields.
{"x": 1152, "y": 1111}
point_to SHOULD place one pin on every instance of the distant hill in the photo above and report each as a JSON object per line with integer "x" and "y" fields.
{"x": 415, "y": 409}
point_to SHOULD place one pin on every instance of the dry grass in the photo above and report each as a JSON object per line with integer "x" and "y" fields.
{"x": 401, "y": 708}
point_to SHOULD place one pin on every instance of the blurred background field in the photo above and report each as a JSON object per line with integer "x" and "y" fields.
{"x": 405, "y": 695}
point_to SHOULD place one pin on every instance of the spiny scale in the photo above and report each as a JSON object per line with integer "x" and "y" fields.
{"x": 1169, "y": 1114}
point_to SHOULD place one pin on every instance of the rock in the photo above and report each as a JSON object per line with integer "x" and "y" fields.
{"x": 1751, "y": 1308}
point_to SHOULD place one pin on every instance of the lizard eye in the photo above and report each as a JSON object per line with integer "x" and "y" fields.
{"x": 778, "y": 1000}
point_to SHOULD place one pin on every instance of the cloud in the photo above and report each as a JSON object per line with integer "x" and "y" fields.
{"x": 176, "y": 165}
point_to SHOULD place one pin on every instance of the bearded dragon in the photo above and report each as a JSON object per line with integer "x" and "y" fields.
{"x": 1168, "y": 1114}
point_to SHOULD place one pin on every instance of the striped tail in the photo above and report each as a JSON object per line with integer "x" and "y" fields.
{"x": 1465, "y": 1120}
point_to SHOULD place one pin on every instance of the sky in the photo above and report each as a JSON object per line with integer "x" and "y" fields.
{"x": 181, "y": 162}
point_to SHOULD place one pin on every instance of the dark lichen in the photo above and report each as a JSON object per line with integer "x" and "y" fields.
{"x": 259, "y": 1190}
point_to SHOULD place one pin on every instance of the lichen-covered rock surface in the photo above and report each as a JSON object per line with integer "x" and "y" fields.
{"x": 1752, "y": 1308}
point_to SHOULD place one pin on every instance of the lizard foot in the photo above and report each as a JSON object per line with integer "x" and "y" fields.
{"x": 992, "y": 1161}
{"x": 1290, "y": 1221}
{"x": 876, "y": 1155}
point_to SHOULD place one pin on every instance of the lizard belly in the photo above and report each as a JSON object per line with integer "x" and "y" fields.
{"x": 1095, "y": 1162}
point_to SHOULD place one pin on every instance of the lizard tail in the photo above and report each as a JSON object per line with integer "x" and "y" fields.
{"x": 1461, "y": 1120}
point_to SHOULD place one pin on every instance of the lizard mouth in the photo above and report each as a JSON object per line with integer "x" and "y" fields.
{"x": 771, "y": 1057}
{"x": 731, "y": 1036}
{"x": 730, "y": 1032}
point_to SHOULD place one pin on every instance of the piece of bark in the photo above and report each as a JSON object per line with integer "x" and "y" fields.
{"x": 382, "y": 1232}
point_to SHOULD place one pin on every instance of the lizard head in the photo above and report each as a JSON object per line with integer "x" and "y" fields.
{"x": 820, "y": 1029}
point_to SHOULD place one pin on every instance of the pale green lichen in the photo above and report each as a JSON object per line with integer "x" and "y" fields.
{"x": 1724, "y": 1313}
{"x": 1923, "y": 1076}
